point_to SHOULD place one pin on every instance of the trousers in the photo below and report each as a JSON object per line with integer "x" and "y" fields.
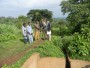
{"x": 36, "y": 35}
{"x": 30, "y": 37}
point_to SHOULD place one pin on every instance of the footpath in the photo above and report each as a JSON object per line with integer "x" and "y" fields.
{"x": 12, "y": 59}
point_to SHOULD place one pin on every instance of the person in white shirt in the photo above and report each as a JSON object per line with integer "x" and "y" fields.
{"x": 30, "y": 32}
{"x": 24, "y": 31}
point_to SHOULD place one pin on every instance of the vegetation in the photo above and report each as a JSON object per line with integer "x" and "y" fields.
{"x": 8, "y": 32}
{"x": 20, "y": 20}
{"x": 78, "y": 10}
{"x": 72, "y": 34}
{"x": 46, "y": 49}
{"x": 79, "y": 25}
{"x": 37, "y": 15}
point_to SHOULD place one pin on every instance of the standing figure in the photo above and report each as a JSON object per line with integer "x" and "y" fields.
{"x": 30, "y": 32}
{"x": 43, "y": 29}
{"x": 24, "y": 31}
{"x": 37, "y": 30}
{"x": 48, "y": 28}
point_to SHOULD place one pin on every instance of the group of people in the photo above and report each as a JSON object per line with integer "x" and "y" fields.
{"x": 42, "y": 29}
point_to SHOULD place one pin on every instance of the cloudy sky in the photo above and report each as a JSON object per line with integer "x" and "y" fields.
{"x": 14, "y": 8}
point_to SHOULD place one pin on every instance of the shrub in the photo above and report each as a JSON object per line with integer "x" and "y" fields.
{"x": 7, "y": 37}
{"x": 57, "y": 41}
{"x": 8, "y": 32}
{"x": 4, "y": 28}
{"x": 66, "y": 41}
{"x": 55, "y": 31}
{"x": 63, "y": 30}
{"x": 48, "y": 49}
{"x": 78, "y": 46}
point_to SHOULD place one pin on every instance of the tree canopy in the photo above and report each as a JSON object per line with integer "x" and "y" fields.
{"x": 79, "y": 18}
{"x": 37, "y": 15}
{"x": 22, "y": 18}
{"x": 78, "y": 11}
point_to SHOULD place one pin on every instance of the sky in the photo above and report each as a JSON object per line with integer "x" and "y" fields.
{"x": 14, "y": 8}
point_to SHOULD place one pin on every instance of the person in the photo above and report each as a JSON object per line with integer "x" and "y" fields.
{"x": 44, "y": 28}
{"x": 24, "y": 31}
{"x": 48, "y": 28}
{"x": 30, "y": 32}
{"x": 37, "y": 30}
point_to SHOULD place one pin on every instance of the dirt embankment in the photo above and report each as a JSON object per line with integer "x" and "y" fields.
{"x": 51, "y": 62}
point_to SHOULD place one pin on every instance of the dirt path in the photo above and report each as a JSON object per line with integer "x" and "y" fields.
{"x": 14, "y": 58}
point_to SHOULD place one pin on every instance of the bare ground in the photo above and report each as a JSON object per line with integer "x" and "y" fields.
{"x": 49, "y": 62}
{"x": 52, "y": 62}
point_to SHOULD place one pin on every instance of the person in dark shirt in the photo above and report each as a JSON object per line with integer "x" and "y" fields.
{"x": 48, "y": 29}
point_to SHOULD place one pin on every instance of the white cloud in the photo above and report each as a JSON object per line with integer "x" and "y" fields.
{"x": 23, "y": 6}
{"x": 30, "y": 3}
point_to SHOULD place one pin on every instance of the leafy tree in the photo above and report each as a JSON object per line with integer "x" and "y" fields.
{"x": 78, "y": 12}
{"x": 39, "y": 14}
{"x": 79, "y": 18}
{"x": 21, "y": 19}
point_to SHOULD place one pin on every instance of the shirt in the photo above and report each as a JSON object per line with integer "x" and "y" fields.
{"x": 29, "y": 29}
{"x": 24, "y": 31}
{"x": 48, "y": 27}
{"x": 37, "y": 27}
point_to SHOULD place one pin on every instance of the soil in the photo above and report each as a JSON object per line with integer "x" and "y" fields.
{"x": 50, "y": 62}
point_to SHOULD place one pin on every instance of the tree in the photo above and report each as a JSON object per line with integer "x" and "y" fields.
{"x": 78, "y": 12}
{"x": 79, "y": 18}
{"x": 21, "y": 19}
{"x": 37, "y": 14}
